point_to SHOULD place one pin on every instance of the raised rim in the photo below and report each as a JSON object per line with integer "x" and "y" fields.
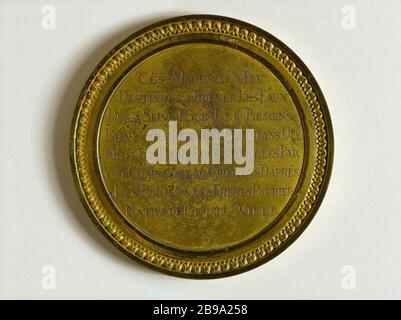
{"x": 307, "y": 79}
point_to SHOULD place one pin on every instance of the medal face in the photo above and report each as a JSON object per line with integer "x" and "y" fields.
{"x": 201, "y": 146}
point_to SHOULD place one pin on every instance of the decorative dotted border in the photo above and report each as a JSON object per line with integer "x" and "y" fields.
{"x": 86, "y": 106}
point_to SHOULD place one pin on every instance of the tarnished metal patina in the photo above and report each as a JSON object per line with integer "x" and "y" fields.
{"x": 201, "y": 146}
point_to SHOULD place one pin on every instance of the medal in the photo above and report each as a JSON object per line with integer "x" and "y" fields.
{"x": 201, "y": 146}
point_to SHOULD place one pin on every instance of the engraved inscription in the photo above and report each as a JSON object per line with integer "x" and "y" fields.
{"x": 156, "y": 167}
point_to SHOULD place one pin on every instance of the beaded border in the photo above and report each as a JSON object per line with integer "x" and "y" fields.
{"x": 86, "y": 105}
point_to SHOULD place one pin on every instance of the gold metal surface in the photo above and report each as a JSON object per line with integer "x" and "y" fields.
{"x": 146, "y": 170}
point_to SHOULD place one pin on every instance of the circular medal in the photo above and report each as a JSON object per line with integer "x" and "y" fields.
{"x": 201, "y": 146}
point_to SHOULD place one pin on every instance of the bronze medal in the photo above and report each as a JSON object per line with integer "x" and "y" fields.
{"x": 201, "y": 146}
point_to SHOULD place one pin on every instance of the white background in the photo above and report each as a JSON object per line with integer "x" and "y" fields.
{"x": 43, "y": 223}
